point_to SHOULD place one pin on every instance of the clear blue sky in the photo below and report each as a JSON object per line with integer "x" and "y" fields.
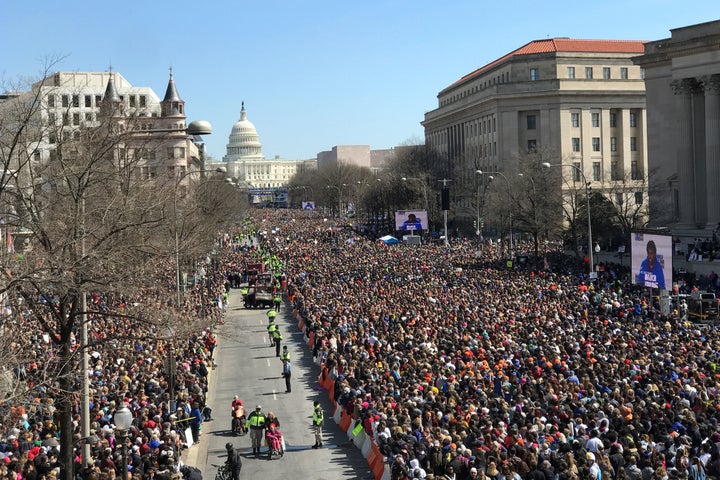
{"x": 313, "y": 74}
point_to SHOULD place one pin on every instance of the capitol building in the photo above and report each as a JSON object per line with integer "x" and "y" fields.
{"x": 265, "y": 180}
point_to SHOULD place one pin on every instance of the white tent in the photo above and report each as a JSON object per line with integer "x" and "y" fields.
{"x": 389, "y": 239}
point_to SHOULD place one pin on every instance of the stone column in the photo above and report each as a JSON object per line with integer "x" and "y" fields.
{"x": 712, "y": 149}
{"x": 685, "y": 152}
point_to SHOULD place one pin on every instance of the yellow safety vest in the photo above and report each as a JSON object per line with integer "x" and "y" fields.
{"x": 256, "y": 420}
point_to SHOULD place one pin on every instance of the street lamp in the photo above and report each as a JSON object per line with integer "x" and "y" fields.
{"x": 123, "y": 419}
{"x": 587, "y": 201}
{"x": 533, "y": 201}
{"x": 507, "y": 182}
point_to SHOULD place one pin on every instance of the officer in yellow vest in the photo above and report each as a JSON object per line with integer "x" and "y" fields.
{"x": 271, "y": 331}
{"x": 256, "y": 423}
{"x": 277, "y": 300}
{"x": 317, "y": 421}
{"x": 277, "y": 337}
{"x": 284, "y": 355}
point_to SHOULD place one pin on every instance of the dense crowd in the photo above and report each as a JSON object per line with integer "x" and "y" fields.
{"x": 128, "y": 365}
{"x": 460, "y": 366}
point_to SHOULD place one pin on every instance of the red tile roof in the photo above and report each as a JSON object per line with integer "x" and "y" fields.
{"x": 561, "y": 45}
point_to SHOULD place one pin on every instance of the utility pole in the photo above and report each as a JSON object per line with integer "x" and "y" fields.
{"x": 445, "y": 204}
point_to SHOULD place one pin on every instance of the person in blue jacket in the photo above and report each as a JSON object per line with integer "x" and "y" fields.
{"x": 651, "y": 272}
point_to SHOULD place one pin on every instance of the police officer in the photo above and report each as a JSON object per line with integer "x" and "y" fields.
{"x": 284, "y": 355}
{"x": 277, "y": 300}
{"x": 277, "y": 337}
{"x": 318, "y": 417}
{"x": 271, "y": 331}
{"x": 286, "y": 373}
{"x": 256, "y": 423}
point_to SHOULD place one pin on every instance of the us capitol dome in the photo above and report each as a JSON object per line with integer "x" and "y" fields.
{"x": 244, "y": 141}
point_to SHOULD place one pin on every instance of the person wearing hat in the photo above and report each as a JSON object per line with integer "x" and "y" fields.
{"x": 256, "y": 422}
{"x": 318, "y": 417}
{"x": 286, "y": 373}
{"x": 595, "y": 472}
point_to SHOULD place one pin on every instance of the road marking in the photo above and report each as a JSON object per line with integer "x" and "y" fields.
{"x": 274, "y": 393}
{"x": 268, "y": 362}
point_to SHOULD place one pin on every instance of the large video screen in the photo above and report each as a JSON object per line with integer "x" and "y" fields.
{"x": 651, "y": 260}
{"x": 411, "y": 220}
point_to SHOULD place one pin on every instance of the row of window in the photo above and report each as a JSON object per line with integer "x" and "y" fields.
{"x": 595, "y": 119}
{"x": 596, "y": 144}
{"x": 615, "y": 173}
{"x": 589, "y": 73}
{"x": 68, "y": 101}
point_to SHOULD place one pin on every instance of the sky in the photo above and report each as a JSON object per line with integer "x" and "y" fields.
{"x": 312, "y": 74}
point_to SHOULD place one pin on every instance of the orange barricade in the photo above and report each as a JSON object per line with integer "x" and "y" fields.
{"x": 375, "y": 461}
{"x": 345, "y": 420}
{"x": 311, "y": 339}
{"x": 301, "y": 323}
{"x": 331, "y": 391}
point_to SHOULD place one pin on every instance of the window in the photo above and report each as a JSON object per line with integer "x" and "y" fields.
{"x": 619, "y": 198}
{"x": 633, "y": 144}
{"x": 624, "y": 73}
{"x": 634, "y": 170}
{"x": 575, "y": 119}
{"x": 596, "y": 144}
{"x": 132, "y": 101}
{"x": 576, "y": 171}
{"x": 596, "y": 171}
{"x": 595, "y": 119}
{"x": 66, "y": 119}
{"x": 638, "y": 198}
{"x": 613, "y": 120}
{"x": 531, "y": 145}
{"x": 589, "y": 73}
{"x": 76, "y": 100}
{"x": 51, "y": 101}
{"x": 614, "y": 172}
{"x": 98, "y": 100}
{"x": 170, "y": 152}
{"x": 76, "y": 119}
{"x": 575, "y": 144}
{"x": 570, "y": 72}
{"x": 88, "y": 117}
{"x": 534, "y": 74}
{"x": 52, "y": 118}
{"x": 65, "y": 101}
{"x": 88, "y": 101}
{"x": 606, "y": 73}
{"x": 633, "y": 119}
{"x": 531, "y": 122}
{"x": 613, "y": 144}
{"x": 143, "y": 101}
{"x": 52, "y": 138}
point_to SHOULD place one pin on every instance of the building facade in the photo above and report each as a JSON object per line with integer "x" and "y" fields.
{"x": 579, "y": 102}
{"x": 682, "y": 77}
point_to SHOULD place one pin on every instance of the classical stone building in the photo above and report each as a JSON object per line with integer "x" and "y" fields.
{"x": 266, "y": 180}
{"x": 682, "y": 78}
{"x": 579, "y": 102}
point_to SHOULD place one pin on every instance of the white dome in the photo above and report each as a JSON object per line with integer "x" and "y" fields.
{"x": 244, "y": 141}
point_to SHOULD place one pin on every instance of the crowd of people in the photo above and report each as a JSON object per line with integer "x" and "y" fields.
{"x": 457, "y": 364}
{"x": 128, "y": 365}
{"x": 461, "y": 366}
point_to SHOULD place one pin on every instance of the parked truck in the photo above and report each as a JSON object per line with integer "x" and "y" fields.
{"x": 258, "y": 297}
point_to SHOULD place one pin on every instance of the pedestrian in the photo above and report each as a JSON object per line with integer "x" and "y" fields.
{"x": 271, "y": 328}
{"x": 277, "y": 337}
{"x": 286, "y": 373}
{"x": 256, "y": 423}
{"x": 317, "y": 421}
{"x": 234, "y": 461}
{"x": 277, "y": 300}
{"x": 284, "y": 355}
{"x": 196, "y": 422}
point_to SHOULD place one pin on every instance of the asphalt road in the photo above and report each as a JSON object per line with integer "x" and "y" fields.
{"x": 248, "y": 367}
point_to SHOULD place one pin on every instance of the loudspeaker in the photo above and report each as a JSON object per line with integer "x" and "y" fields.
{"x": 445, "y": 199}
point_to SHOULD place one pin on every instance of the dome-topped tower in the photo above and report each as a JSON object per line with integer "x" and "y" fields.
{"x": 244, "y": 142}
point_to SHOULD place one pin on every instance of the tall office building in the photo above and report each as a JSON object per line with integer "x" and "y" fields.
{"x": 579, "y": 102}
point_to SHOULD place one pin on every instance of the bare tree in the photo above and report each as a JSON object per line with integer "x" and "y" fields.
{"x": 91, "y": 221}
